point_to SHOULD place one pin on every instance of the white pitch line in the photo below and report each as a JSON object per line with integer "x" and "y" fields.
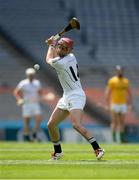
{"x": 66, "y": 150}
{"x": 22, "y": 150}
{"x": 37, "y": 150}
{"x": 68, "y": 162}
{"x": 48, "y": 150}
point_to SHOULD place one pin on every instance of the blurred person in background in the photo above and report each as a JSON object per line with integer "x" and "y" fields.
{"x": 72, "y": 103}
{"x": 28, "y": 94}
{"x": 119, "y": 100}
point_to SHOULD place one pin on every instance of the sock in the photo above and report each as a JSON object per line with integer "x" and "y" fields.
{"x": 94, "y": 143}
{"x": 122, "y": 137}
{"x": 114, "y": 136}
{"x": 34, "y": 135}
{"x": 57, "y": 147}
{"x": 26, "y": 138}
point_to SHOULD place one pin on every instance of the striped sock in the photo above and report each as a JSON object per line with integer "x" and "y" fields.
{"x": 94, "y": 143}
{"x": 57, "y": 147}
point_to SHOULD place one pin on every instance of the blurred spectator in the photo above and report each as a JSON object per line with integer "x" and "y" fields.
{"x": 119, "y": 99}
{"x": 28, "y": 94}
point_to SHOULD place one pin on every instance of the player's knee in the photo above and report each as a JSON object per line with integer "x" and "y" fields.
{"x": 76, "y": 126}
{"x": 50, "y": 125}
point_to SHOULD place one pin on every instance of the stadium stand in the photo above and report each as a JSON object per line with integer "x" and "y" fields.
{"x": 112, "y": 32}
{"x": 111, "y": 28}
{"x": 109, "y": 36}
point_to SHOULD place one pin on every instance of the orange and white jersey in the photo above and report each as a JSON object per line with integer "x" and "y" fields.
{"x": 119, "y": 89}
{"x": 67, "y": 70}
{"x": 30, "y": 90}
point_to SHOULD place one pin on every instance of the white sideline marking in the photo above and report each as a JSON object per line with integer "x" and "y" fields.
{"x": 68, "y": 162}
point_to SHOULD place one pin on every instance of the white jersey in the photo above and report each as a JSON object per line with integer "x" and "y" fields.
{"x": 30, "y": 90}
{"x": 67, "y": 70}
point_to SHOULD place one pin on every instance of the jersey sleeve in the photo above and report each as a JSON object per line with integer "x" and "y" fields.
{"x": 127, "y": 83}
{"x": 57, "y": 63}
{"x": 20, "y": 85}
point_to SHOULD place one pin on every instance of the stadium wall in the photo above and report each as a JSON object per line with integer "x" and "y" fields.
{"x": 12, "y": 130}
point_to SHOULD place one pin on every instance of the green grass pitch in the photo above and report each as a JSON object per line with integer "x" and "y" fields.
{"x": 30, "y": 161}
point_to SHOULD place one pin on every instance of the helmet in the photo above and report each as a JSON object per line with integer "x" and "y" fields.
{"x": 30, "y": 71}
{"x": 69, "y": 42}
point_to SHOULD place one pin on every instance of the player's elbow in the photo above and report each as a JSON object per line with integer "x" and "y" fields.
{"x": 48, "y": 60}
{"x": 15, "y": 92}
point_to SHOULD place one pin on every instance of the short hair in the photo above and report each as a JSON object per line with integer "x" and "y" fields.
{"x": 30, "y": 71}
{"x": 119, "y": 67}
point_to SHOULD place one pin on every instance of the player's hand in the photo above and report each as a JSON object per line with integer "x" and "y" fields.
{"x": 51, "y": 41}
{"x": 20, "y": 102}
{"x": 48, "y": 97}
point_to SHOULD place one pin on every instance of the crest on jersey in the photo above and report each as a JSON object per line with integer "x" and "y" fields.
{"x": 70, "y": 105}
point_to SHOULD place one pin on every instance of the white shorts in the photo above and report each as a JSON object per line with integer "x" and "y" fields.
{"x": 71, "y": 102}
{"x": 119, "y": 108}
{"x": 30, "y": 110}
